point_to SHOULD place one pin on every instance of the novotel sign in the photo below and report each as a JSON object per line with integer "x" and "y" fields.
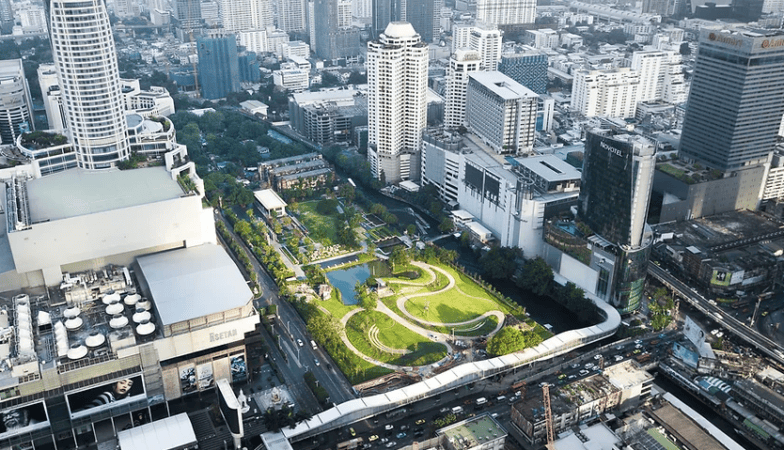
{"x": 611, "y": 149}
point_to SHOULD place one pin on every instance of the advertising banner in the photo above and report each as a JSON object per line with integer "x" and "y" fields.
{"x": 206, "y": 378}
{"x": 239, "y": 369}
{"x": 188, "y": 382}
{"x": 105, "y": 394}
{"x": 23, "y": 418}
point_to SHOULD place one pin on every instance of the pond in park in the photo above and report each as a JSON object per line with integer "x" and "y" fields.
{"x": 346, "y": 279}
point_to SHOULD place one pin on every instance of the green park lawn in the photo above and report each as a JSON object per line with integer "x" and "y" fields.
{"x": 393, "y": 335}
{"x": 322, "y": 228}
{"x": 335, "y": 305}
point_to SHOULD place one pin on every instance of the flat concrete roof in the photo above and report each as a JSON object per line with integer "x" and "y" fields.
{"x": 269, "y": 199}
{"x": 6, "y": 258}
{"x": 473, "y": 432}
{"x": 77, "y": 192}
{"x": 193, "y": 282}
{"x": 550, "y": 167}
{"x": 502, "y": 85}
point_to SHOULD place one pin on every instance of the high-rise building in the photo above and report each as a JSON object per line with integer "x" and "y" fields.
{"x": 86, "y": 61}
{"x": 292, "y": 15}
{"x": 501, "y": 111}
{"x": 617, "y": 179}
{"x": 6, "y": 16}
{"x": 527, "y": 66}
{"x": 52, "y": 97}
{"x": 386, "y": 11}
{"x": 736, "y": 100}
{"x": 241, "y": 15}
{"x": 611, "y": 93}
{"x": 397, "y": 102}
{"x": 506, "y": 12}
{"x": 218, "y": 66}
{"x": 462, "y": 63}
{"x": 362, "y": 9}
{"x": 661, "y": 76}
{"x": 486, "y": 39}
{"x": 187, "y": 13}
{"x": 424, "y": 16}
{"x": 335, "y": 37}
{"x": 16, "y": 106}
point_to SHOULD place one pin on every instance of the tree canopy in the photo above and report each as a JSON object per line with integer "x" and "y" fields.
{"x": 536, "y": 276}
{"x": 500, "y": 262}
{"x": 511, "y": 339}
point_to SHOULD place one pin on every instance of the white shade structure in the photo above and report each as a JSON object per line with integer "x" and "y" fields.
{"x": 61, "y": 339}
{"x": 141, "y": 315}
{"x": 72, "y": 313}
{"x": 145, "y": 328}
{"x": 144, "y": 304}
{"x": 111, "y": 298}
{"x": 74, "y": 324}
{"x": 95, "y": 339}
{"x": 114, "y": 308}
{"x": 118, "y": 322}
{"x": 132, "y": 299}
{"x": 77, "y": 351}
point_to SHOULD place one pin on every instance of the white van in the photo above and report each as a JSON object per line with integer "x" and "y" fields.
{"x": 500, "y": 398}
{"x": 457, "y": 410}
{"x": 481, "y": 401}
{"x": 313, "y": 344}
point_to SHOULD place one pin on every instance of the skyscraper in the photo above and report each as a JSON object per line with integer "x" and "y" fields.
{"x": 241, "y": 15}
{"x": 528, "y": 68}
{"x": 736, "y": 100}
{"x": 86, "y": 61}
{"x": 397, "y": 102}
{"x": 16, "y": 106}
{"x": 462, "y": 63}
{"x": 218, "y": 66}
{"x": 424, "y": 16}
{"x": 292, "y": 15}
{"x": 334, "y": 35}
{"x": 486, "y": 39}
{"x": 386, "y": 11}
{"x": 187, "y": 13}
{"x": 506, "y": 12}
{"x": 501, "y": 111}
{"x": 615, "y": 191}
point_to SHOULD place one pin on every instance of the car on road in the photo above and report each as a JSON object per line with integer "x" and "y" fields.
{"x": 317, "y": 362}
{"x": 420, "y": 421}
{"x": 401, "y": 435}
{"x": 384, "y": 440}
{"x": 597, "y": 357}
{"x": 391, "y": 444}
{"x": 373, "y": 438}
{"x": 583, "y": 372}
{"x": 300, "y": 343}
{"x": 352, "y": 432}
{"x": 638, "y": 342}
{"x": 618, "y": 358}
{"x": 389, "y": 426}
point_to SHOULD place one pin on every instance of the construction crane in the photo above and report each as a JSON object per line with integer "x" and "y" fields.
{"x": 548, "y": 417}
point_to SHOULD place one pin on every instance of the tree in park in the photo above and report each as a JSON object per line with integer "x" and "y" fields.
{"x": 398, "y": 257}
{"x": 536, "y": 276}
{"x": 510, "y": 340}
{"x": 411, "y": 229}
{"x": 499, "y": 262}
{"x": 446, "y": 225}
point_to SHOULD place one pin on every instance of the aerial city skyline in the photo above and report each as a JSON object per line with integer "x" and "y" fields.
{"x": 442, "y": 224}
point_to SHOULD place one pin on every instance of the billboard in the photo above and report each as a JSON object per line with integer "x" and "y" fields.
{"x": 239, "y": 369}
{"x": 205, "y": 376}
{"x": 188, "y": 381}
{"x": 106, "y": 394}
{"x": 23, "y": 418}
{"x": 720, "y": 278}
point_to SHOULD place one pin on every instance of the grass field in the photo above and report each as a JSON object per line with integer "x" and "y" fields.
{"x": 393, "y": 335}
{"x": 322, "y": 228}
{"x": 335, "y": 305}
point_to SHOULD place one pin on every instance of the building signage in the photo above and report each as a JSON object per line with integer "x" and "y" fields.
{"x": 724, "y": 39}
{"x": 611, "y": 149}
{"x": 215, "y": 337}
{"x": 772, "y": 43}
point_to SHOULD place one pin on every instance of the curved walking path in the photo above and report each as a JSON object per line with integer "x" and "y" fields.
{"x": 439, "y": 337}
{"x": 401, "y": 303}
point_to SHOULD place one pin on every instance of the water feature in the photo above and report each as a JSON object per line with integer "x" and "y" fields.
{"x": 346, "y": 279}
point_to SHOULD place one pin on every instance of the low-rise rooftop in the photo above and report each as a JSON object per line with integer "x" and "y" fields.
{"x": 473, "y": 432}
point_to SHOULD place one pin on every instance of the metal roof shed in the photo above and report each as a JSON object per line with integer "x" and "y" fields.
{"x": 171, "y": 433}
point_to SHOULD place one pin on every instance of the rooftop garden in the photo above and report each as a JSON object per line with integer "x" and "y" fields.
{"x": 686, "y": 172}
{"x": 41, "y": 139}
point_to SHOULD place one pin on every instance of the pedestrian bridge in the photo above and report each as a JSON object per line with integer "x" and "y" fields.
{"x": 362, "y": 408}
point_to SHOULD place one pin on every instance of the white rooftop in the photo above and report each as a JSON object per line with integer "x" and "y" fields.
{"x": 503, "y": 86}
{"x": 599, "y": 438}
{"x": 550, "y": 168}
{"x": 193, "y": 282}
{"x": 400, "y": 29}
{"x": 269, "y": 199}
{"x": 171, "y": 432}
{"x": 77, "y": 192}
